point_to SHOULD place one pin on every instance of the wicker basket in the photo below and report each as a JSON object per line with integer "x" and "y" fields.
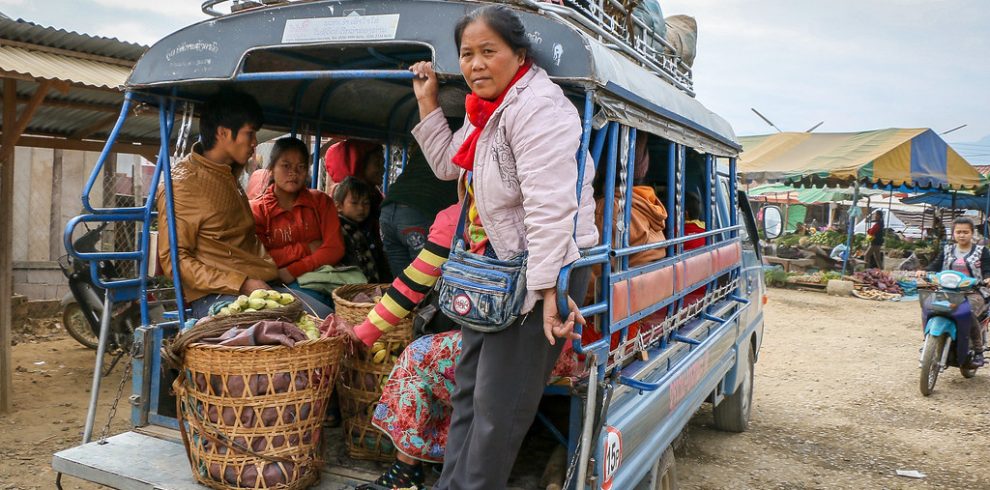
{"x": 367, "y": 442}
{"x": 364, "y": 375}
{"x": 251, "y": 416}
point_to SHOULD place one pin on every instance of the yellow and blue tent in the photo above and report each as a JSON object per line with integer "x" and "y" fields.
{"x": 908, "y": 158}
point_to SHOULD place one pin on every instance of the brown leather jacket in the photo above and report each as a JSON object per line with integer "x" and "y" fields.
{"x": 218, "y": 248}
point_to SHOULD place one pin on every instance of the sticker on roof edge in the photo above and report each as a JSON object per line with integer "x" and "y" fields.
{"x": 349, "y": 28}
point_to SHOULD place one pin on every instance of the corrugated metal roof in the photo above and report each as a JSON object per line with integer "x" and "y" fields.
{"x": 92, "y": 103}
{"x": 49, "y": 66}
{"x": 29, "y": 32}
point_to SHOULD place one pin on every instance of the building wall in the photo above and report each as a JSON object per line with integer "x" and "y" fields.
{"x": 48, "y": 185}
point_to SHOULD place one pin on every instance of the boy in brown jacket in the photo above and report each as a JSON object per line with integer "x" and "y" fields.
{"x": 219, "y": 254}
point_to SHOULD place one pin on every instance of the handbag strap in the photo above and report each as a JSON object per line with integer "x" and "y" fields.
{"x": 459, "y": 233}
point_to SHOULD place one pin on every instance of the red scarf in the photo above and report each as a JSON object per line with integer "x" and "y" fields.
{"x": 479, "y": 111}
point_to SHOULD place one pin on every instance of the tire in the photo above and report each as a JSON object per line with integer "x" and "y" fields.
{"x": 968, "y": 373}
{"x": 732, "y": 415}
{"x": 929, "y": 364}
{"x": 663, "y": 476}
{"x": 74, "y": 321}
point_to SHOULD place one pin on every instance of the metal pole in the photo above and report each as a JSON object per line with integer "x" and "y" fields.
{"x": 851, "y": 226}
{"x": 589, "y": 418}
{"x": 101, "y": 349}
{"x": 986, "y": 216}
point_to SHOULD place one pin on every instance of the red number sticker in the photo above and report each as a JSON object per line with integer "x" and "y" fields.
{"x": 612, "y": 456}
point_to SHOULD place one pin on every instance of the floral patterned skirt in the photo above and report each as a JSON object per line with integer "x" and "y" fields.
{"x": 414, "y": 410}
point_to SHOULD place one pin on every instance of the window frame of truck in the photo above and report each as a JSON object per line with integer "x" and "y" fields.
{"x": 694, "y": 355}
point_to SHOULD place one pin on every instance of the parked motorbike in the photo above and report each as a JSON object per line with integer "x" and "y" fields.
{"x": 948, "y": 320}
{"x": 82, "y": 307}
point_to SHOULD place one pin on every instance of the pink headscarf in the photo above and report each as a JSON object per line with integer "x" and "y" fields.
{"x": 347, "y": 159}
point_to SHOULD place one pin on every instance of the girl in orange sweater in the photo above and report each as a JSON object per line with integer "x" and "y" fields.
{"x": 298, "y": 226}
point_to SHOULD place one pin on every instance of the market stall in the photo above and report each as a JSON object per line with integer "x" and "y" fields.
{"x": 905, "y": 160}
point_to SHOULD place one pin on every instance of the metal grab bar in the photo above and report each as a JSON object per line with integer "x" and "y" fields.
{"x": 644, "y": 386}
{"x": 622, "y": 252}
{"x": 104, "y": 154}
{"x": 270, "y": 76}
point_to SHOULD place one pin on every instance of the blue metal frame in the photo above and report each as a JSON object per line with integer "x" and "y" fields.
{"x": 324, "y": 75}
{"x": 124, "y": 289}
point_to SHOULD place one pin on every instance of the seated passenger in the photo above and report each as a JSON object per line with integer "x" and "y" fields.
{"x": 258, "y": 182}
{"x": 646, "y": 226}
{"x": 219, "y": 253}
{"x": 298, "y": 226}
{"x": 409, "y": 209}
{"x": 354, "y": 158}
{"x": 362, "y": 243}
{"x": 693, "y": 221}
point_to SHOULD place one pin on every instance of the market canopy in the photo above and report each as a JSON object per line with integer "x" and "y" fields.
{"x": 777, "y": 192}
{"x": 910, "y": 158}
{"x": 950, "y": 200}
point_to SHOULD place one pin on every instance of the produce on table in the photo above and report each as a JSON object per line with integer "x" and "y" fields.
{"x": 820, "y": 277}
{"x": 878, "y": 279}
{"x": 874, "y": 294}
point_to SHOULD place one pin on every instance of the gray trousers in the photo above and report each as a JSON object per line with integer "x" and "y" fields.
{"x": 500, "y": 379}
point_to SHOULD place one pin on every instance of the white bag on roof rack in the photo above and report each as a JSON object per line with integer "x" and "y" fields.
{"x": 682, "y": 34}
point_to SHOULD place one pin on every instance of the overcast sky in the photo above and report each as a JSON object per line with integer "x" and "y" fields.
{"x": 854, "y": 64}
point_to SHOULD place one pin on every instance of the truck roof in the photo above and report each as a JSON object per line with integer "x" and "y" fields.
{"x": 374, "y": 34}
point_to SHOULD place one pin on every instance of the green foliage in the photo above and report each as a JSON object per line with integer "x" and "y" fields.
{"x": 828, "y": 239}
{"x": 775, "y": 277}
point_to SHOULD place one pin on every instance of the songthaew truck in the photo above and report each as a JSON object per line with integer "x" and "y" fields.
{"x": 672, "y": 334}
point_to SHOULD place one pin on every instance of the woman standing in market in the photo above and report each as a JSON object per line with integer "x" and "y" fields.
{"x": 874, "y": 254}
{"x": 516, "y": 158}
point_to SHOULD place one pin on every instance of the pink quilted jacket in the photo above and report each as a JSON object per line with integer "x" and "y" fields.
{"x": 525, "y": 176}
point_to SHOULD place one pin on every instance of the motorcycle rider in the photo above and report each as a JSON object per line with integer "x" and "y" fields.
{"x": 967, "y": 257}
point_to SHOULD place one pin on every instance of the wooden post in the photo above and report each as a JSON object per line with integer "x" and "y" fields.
{"x": 13, "y": 127}
{"x": 6, "y": 243}
{"x": 55, "y": 225}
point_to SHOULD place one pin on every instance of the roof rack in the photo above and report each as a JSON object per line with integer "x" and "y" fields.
{"x": 610, "y": 21}
{"x": 209, "y": 7}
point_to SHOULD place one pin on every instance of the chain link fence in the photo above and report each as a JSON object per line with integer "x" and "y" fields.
{"x": 48, "y": 186}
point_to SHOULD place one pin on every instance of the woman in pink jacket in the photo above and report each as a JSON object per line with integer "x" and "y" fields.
{"x": 520, "y": 141}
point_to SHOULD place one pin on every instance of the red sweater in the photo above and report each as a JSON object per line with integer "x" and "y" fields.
{"x": 287, "y": 234}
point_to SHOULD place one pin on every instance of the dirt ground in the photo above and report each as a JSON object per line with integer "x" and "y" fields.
{"x": 836, "y": 406}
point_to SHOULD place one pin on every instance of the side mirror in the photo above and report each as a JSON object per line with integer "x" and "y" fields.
{"x": 772, "y": 222}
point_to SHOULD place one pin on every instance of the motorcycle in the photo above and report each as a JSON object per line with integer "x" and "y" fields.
{"x": 948, "y": 321}
{"x": 82, "y": 307}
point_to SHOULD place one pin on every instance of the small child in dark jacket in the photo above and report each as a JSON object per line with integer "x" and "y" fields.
{"x": 363, "y": 245}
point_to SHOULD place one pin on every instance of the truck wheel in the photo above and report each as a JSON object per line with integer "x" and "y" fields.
{"x": 74, "y": 322}
{"x": 663, "y": 476}
{"x": 732, "y": 415}
{"x": 929, "y": 365}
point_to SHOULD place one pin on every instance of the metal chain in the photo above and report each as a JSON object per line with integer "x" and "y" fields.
{"x": 624, "y": 173}
{"x": 120, "y": 392}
